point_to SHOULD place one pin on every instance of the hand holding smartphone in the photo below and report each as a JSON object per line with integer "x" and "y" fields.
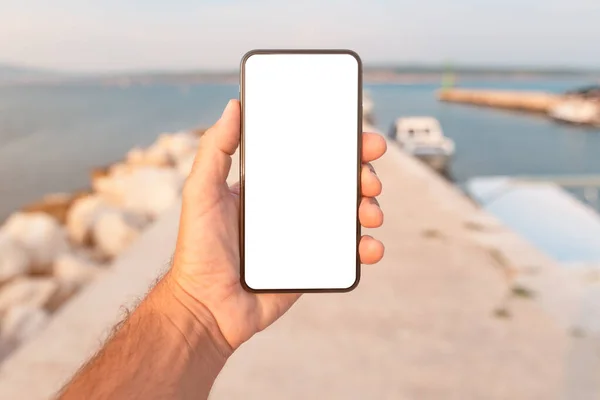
{"x": 300, "y": 170}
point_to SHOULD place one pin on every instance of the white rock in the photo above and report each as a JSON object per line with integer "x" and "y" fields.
{"x": 166, "y": 151}
{"x": 152, "y": 156}
{"x": 75, "y": 268}
{"x": 40, "y": 235}
{"x": 146, "y": 190}
{"x": 22, "y": 322}
{"x": 85, "y": 212}
{"x": 81, "y": 217}
{"x": 135, "y": 156}
{"x": 95, "y": 255}
{"x": 14, "y": 259}
{"x": 65, "y": 290}
{"x": 157, "y": 156}
{"x": 72, "y": 271}
{"x": 27, "y": 291}
{"x": 113, "y": 232}
{"x": 121, "y": 169}
{"x": 185, "y": 164}
{"x": 178, "y": 145}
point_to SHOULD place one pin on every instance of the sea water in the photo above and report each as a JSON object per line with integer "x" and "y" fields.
{"x": 52, "y": 136}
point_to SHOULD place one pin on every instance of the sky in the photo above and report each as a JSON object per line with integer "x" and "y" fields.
{"x": 118, "y": 35}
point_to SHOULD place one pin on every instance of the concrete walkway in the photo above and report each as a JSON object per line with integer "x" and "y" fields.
{"x": 421, "y": 325}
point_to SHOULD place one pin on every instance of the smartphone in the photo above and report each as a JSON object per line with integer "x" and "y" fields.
{"x": 300, "y": 162}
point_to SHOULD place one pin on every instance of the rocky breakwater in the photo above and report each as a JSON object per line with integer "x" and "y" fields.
{"x": 540, "y": 102}
{"x": 574, "y": 108}
{"x": 51, "y": 249}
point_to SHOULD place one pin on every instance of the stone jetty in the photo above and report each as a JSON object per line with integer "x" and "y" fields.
{"x": 565, "y": 108}
{"x": 513, "y": 100}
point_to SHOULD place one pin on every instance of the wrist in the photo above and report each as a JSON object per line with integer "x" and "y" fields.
{"x": 193, "y": 320}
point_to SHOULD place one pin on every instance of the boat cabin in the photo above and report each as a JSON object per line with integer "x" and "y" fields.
{"x": 417, "y": 129}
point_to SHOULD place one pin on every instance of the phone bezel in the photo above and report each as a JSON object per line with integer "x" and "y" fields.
{"x": 242, "y": 165}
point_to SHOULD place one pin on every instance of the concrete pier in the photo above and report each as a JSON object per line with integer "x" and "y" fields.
{"x": 538, "y": 102}
{"x": 571, "y": 109}
{"x": 437, "y": 319}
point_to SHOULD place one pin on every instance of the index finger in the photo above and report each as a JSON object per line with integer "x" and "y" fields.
{"x": 373, "y": 146}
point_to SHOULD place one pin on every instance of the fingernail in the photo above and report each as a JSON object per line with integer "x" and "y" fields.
{"x": 227, "y": 107}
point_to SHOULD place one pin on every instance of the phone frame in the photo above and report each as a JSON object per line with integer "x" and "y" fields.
{"x": 242, "y": 167}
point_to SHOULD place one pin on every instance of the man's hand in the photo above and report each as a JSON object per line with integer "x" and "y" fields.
{"x": 205, "y": 274}
{"x": 178, "y": 339}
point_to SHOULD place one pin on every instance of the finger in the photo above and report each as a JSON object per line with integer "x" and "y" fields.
{"x": 225, "y": 134}
{"x": 370, "y": 250}
{"x": 373, "y": 146}
{"x": 213, "y": 159}
{"x": 369, "y": 182}
{"x": 369, "y": 213}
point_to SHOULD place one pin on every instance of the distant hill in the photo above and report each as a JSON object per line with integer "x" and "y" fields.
{"x": 481, "y": 69}
{"x": 11, "y": 74}
{"x": 424, "y": 72}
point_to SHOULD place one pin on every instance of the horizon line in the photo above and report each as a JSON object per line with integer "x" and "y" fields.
{"x": 386, "y": 65}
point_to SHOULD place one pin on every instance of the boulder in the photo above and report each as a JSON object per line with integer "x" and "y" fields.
{"x": 81, "y": 217}
{"x": 55, "y": 205}
{"x": 14, "y": 259}
{"x": 95, "y": 222}
{"x": 152, "y": 156}
{"x": 99, "y": 172}
{"x": 145, "y": 190}
{"x": 178, "y": 145}
{"x": 113, "y": 232}
{"x": 22, "y": 322}
{"x": 75, "y": 268}
{"x": 121, "y": 169}
{"x": 157, "y": 156}
{"x": 40, "y": 235}
{"x": 64, "y": 291}
{"x": 27, "y": 291}
{"x": 135, "y": 156}
{"x": 72, "y": 271}
{"x": 95, "y": 255}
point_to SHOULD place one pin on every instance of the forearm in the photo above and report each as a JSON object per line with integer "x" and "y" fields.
{"x": 166, "y": 349}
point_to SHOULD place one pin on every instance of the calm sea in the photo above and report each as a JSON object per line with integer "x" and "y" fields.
{"x": 51, "y": 137}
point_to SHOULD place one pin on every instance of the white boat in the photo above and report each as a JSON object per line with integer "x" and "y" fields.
{"x": 580, "y": 106}
{"x": 422, "y": 137}
{"x": 577, "y": 111}
{"x": 368, "y": 109}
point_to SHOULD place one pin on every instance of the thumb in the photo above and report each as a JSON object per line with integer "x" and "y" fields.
{"x": 217, "y": 145}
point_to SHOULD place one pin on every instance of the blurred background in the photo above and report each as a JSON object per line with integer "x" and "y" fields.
{"x": 492, "y": 112}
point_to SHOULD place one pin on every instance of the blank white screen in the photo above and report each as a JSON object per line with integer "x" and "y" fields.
{"x": 301, "y": 166}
